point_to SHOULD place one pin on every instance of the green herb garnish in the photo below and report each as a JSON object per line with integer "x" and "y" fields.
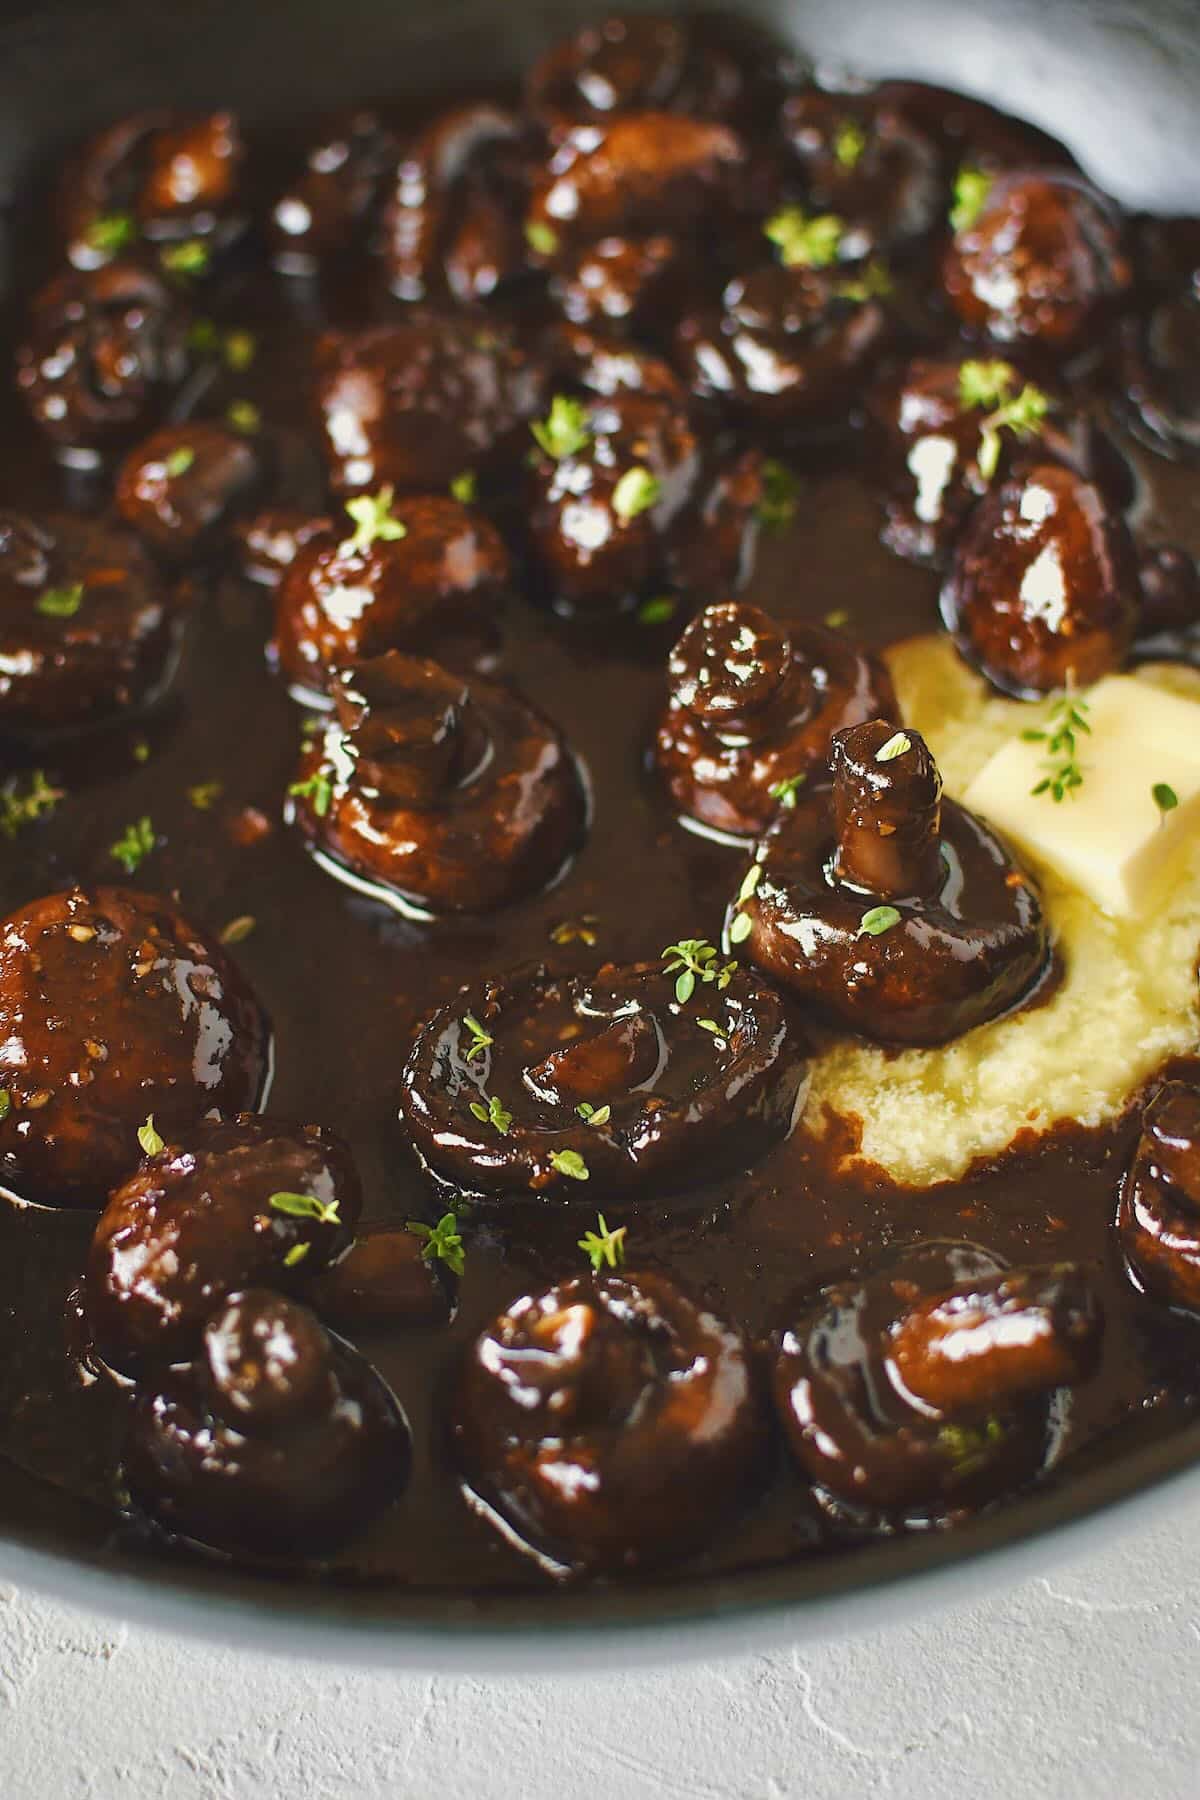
{"x": 295, "y": 1255}
{"x": 306, "y": 1206}
{"x": 781, "y": 491}
{"x": 967, "y": 1446}
{"x": 318, "y": 788}
{"x": 711, "y": 1026}
{"x": 874, "y": 283}
{"x": 878, "y": 920}
{"x": 636, "y": 492}
{"x": 239, "y": 929}
{"x": 971, "y": 189}
{"x": 984, "y": 385}
{"x": 492, "y": 1114}
{"x": 740, "y": 928}
{"x": 442, "y": 1242}
{"x": 151, "y": 1141}
{"x": 18, "y": 809}
{"x": 541, "y": 237}
{"x": 111, "y": 232}
{"x": 204, "y": 793}
{"x": 134, "y": 845}
{"x": 785, "y": 791}
{"x": 180, "y": 461}
{"x": 803, "y": 241}
{"x": 5, "y": 1103}
{"x": 373, "y": 522}
{"x": 190, "y": 258}
{"x": 480, "y": 1039}
{"x": 570, "y": 1164}
{"x": 692, "y": 960}
{"x": 240, "y": 348}
{"x": 604, "y": 1246}
{"x": 658, "y": 610}
{"x": 1164, "y": 797}
{"x": 899, "y": 744}
{"x": 243, "y": 416}
{"x": 465, "y": 487}
{"x": 565, "y": 430}
{"x": 1023, "y": 414}
{"x": 849, "y": 143}
{"x": 1068, "y": 718}
{"x": 593, "y": 1115}
{"x": 60, "y": 603}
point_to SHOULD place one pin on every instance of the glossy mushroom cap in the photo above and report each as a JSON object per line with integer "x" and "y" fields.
{"x": 752, "y": 706}
{"x": 431, "y": 580}
{"x": 1158, "y": 1212}
{"x": 892, "y": 909}
{"x": 457, "y": 795}
{"x": 197, "y": 1221}
{"x": 328, "y": 206}
{"x": 88, "y": 628}
{"x": 921, "y": 1392}
{"x": 279, "y": 1441}
{"x": 157, "y": 176}
{"x": 1043, "y": 592}
{"x": 1039, "y": 263}
{"x": 867, "y": 164}
{"x": 611, "y": 1422}
{"x": 113, "y": 1006}
{"x": 181, "y": 487}
{"x": 104, "y": 351}
{"x": 612, "y": 1080}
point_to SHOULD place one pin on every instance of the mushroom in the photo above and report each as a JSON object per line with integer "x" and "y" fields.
{"x": 621, "y": 282}
{"x": 453, "y": 218}
{"x": 170, "y": 178}
{"x": 1035, "y": 258}
{"x": 1158, "y": 1208}
{"x": 88, "y": 630}
{"x": 456, "y": 795}
{"x": 636, "y": 174}
{"x": 788, "y": 346}
{"x": 268, "y": 543}
{"x": 104, "y": 350}
{"x": 918, "y": 1394}
{"x": 1161, "y": 362}
{"x": 894, "y": 910}
{"x": 1042, "y": 592}
{"x": 417, "y": 403}
{"x": 612, "y": 1423}
{"x": 864, "y": 162}
{"x": 644, "y": 1077}
{"x": 181, "y": 487}
{"x": 327, "y": 208}
{"x": 416, "y": 574}
{"x": 113, "y": 1008}
{"x": 231, "y": 1204}
{"x": 753, "y": 704}
{"x": 388, "y": 1277}
{"x": 279, "y": 1441}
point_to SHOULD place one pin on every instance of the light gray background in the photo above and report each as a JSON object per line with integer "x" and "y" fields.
{"x": 1082, "y": 1682}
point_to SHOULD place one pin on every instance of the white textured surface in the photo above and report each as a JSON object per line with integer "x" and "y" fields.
{"x": 1080, "y": 1684}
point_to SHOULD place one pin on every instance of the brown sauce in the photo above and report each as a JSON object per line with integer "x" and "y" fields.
{"x": 348, "y": 981}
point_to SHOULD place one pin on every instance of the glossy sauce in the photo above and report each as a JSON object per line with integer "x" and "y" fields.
{"x": 347, "y": 982}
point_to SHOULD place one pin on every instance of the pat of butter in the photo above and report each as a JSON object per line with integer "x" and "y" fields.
{"x": 1108, "y": 836}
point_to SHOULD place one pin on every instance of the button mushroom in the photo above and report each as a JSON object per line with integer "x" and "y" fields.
{"x": 88, "y": 629}
{"x": 455, "y": 795}
{"x": 279, "y": 1441}
{"x": 1042, "y": 592}
{"x": 861, "y": 160}
{"x": 611, "y": 1422}
{"x": 114, "y": 1007}
{"x": 893, "y": 909}
{"x": 231, "y": 1204}
{"x": 182, "y": 486}
{"x": 1035, "y": 258}
{"x": 644, "y": 1077}
{"x": 917, "y": 1395}
{"x": 419, "y": 574}
{"x": 753, "y": 704}
{"x": 327, "y": 208}
{"x": 1158, "y": 1210}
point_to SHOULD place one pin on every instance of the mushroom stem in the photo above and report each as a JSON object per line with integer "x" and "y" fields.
{"x": 409, "y": 727}
{"x": 887, "y": 804}
{"x": 985, "y": 1344}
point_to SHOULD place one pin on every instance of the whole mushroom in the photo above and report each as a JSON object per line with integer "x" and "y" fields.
{"x": 752, "y": 706}
{"x": 182, "y": 486}
{"x": 611, "y": 1422}
{"x": 114, "y": 1011}
{"x": 328, "y": 207}
{"x": 920, "y": 1393}
{"x": 892, "y": 909}
{"x": 863, "y": 161}
{"x": 230, "y": 1204}
{"x": 532, "y": 1086}
{"x": 456, "y": 795}
{"x": 278, "y": 1441}
{"x": 1158, "y": 1209}
{"x": 1042, "y": 591}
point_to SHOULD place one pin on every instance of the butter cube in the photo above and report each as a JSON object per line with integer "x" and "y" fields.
{"x": 1108, "y": 837}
